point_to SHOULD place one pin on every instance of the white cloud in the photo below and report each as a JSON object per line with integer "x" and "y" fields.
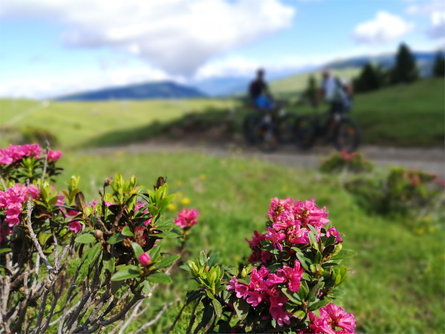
{"x": 385, "y": 27}
{"x": 175, "y": 35}
{"x": 425, "y": 8}
{"x": 437, "y": 29}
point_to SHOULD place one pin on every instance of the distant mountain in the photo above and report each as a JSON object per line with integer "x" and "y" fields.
{"x": 150, "y": 90}
{"x": 222, "y": 86}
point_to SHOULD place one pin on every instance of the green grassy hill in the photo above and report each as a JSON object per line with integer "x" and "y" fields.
{"x": 75, "y": 123}
{"x": 403, "y": 115}
{"x": 293, "y": 85}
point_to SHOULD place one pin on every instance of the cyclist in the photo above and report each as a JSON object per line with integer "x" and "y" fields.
{"x": 334, "y": 92}
{"x": 259, "y": 92}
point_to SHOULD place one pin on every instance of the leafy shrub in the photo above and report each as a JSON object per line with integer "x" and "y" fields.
{"x": 68, "y": 265}
{"x": 410, "y": 193}
{"x": 295, "y": 268}
{"x": 344, "y": 161}
{"x": 38, "y": 135}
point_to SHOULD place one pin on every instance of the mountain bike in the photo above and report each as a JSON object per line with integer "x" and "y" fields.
{"x": 267, "y": 129}
{"x": 336, "y": 128}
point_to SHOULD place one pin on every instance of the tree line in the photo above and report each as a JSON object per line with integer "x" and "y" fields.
{"x": 405, "y": 70}
{"x": 374, "y": 76}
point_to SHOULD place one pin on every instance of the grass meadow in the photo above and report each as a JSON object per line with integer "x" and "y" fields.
{"x": 396, "y": 277}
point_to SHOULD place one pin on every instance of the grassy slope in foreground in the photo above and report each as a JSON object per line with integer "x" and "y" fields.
{"x": 396, "y": 280}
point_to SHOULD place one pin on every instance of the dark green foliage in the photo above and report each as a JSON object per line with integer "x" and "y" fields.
{"x": 39, "y": 136}
{"x": 439, "y": 65}
{"x": 311, "y": 91}
{"x": 371, "y": 78}
{"x": 405, "y": 69}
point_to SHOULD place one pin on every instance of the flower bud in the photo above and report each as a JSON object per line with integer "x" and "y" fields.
{"x": 144, "y": 259}
{"x": 98, "y": 234}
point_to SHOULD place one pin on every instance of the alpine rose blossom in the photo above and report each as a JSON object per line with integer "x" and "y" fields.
{"x": 74, "y": 226}
{"x": 186, "y": 218}
{"x": 331, "y": 318}
{"x": 54, "y": 155}
{"x": 144, "y": 259}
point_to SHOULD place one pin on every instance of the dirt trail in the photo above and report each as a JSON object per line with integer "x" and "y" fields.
{"x": 428, "y": 159}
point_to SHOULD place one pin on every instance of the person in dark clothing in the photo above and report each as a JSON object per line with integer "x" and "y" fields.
{"x": 259, "y": 92}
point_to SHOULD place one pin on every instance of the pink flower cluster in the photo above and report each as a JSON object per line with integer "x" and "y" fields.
{"x": 264, "y": 287}
{"x": 16, "y": 152}
{"x": 346, "y": 156}
{"x": 12, "y": 201}
{"x": 332, "y": 320}
{"x": 187, "y": 218}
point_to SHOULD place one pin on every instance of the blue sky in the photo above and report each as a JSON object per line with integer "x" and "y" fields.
{"x": 56, "y": 47}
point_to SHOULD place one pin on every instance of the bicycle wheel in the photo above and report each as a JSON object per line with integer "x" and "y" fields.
{"x": 266, "y": 134}
{"x": 286, "y": 128}
{"x": 347, "y": 135}
{"x": 250, "y": 128}
{"x": 304, "y": 132}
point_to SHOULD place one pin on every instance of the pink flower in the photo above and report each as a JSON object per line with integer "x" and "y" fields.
{"x": 346, "y": 156}
{"x": 275, "y": 237}
{"x": 5, "y": 158}
{"x": 277, "y": 311}
{"x": 256, "y": 239}
{"x": 33, "y": 191}
{"x": 332, "y": 317}
{"x": 144, "y": 259}
{"x": 53, "y": 155}
{"x": 32, "y": 150}
{"x": 74, "y": 226}
{"x": 334, "y": 232}
{"x": 240, "y": 288}
{"x": 186, "y": 218}
{"x": 294, "y": 276}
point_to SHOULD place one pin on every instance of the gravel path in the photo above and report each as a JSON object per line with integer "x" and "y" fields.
{"x": 428, "y": 159}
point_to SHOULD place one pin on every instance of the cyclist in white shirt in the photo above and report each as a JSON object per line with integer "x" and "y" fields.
{"x": 334, "y": 93}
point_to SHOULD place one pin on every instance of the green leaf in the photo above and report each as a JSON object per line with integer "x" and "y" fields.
{"x": 43, "y": 238}
{"x": 137, "y": 249}
{"x": 126, "y": 272}
{"x": 154, "y": 252}
{"x": 91, "y": 254}
{"x": 295, "y": 298}
{"x": 85, "y": 238}
{"x": 241, "y": 308}
{"x": 202, "y": 258}
{"x": 159, "y": 278}
{"x": 218, "y": 307}
{"x": 5, "y": 250}
{"x": 116, "y": 238}
{"x": 146, "y": 287}
{"x": 313, "y": 240}
{"x": 127, "y": 232}
{"x": 166, "y": 261}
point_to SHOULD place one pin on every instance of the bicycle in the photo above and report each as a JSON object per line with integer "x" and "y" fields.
{"x": 268, "y": 128}
{"x": 336, "y": 128}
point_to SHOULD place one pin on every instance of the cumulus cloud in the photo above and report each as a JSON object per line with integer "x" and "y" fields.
{"x": 175, "y": 35}
{"x": 437, "y": 29}
{"x": 385, "y": 27}
{"x": 435, "y": 10}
